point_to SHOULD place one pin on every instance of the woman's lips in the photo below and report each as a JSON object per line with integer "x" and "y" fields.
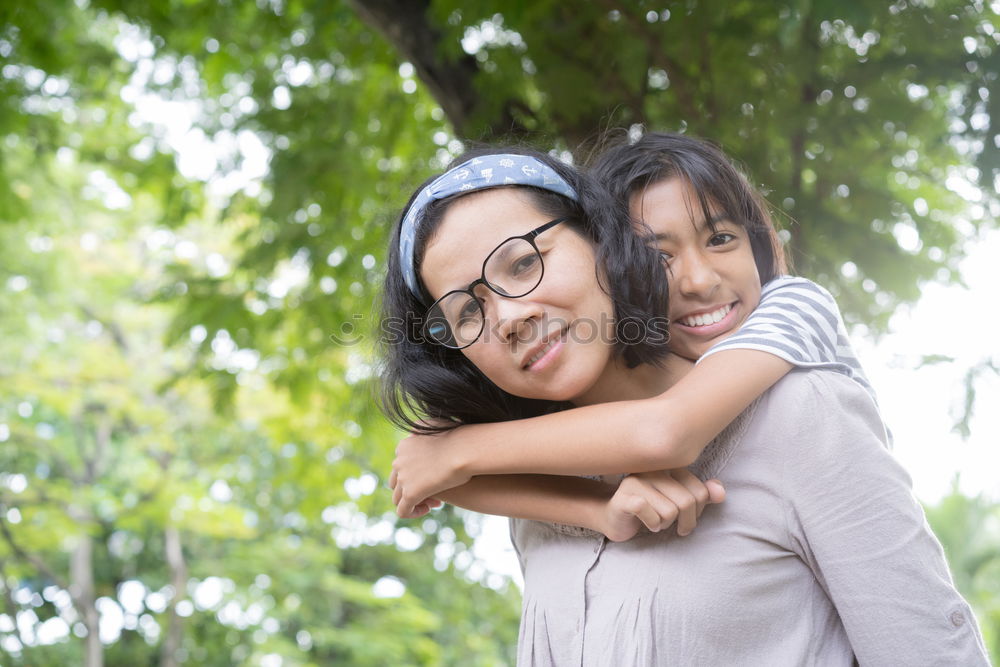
{"x": 546, "y": 355}
{"x": 727, "y": 322}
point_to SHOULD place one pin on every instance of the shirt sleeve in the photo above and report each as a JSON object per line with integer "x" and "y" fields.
{"x": 796, "y": 320}
{"x": 851, "y": 515}
{"x": 800, "y": 322}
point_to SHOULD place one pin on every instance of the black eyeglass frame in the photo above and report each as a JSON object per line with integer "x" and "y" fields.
{"x": 481, "y": 280}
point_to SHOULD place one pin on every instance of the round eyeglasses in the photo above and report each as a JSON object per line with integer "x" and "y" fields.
{"x": 512, "y": 270}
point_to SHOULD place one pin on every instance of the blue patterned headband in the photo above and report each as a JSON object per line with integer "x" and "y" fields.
{"x": 479, "y": 173}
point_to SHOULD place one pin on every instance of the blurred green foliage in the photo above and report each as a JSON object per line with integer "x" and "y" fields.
{"x": 194, "y": 202}
{"x": 969, "y": 530}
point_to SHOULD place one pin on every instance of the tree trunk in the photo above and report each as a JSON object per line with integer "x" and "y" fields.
{"x": 451, "y": 82}
{"x": 404, "y": 24}
{"x": 81, "y": 570}
{"x": 178, "y": 579}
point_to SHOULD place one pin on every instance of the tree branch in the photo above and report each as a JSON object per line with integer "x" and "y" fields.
{"x": 115, "y": 331}
{"x": 8, "y": 596}
{"x": 178, "y": 576}
{"x": 451, "y": 82}
{"x": 659, "y": 57}
{"x": 581, "y": 133}
{"x": 807, "y": 94}
{"x": 59, "y": 463}
{"x": 36, "y": 562}
{"x": 711, "y": 104}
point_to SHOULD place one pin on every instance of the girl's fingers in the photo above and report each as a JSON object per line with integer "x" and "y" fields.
{"x": 419, "y": 510}
{"x": 408, "y": 508}
{"x": 695, "y": 486}
{"x": 648, "y": 517}
{"x": 661, "y": 499}
{"x": 665, "y": 510}
{"x": 392, "y": 479}
{"x": 716, "y": 491}
{"x": 660, "y": 511}
{"x": 684, "y": 500}
{"x": 640, "y": 505}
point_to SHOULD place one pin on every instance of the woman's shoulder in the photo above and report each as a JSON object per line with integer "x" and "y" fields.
{"x": 804, "y": 406}
{"x": 817, "y": 389}
{"x": 820, "y": 408}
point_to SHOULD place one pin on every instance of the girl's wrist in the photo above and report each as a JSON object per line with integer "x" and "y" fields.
{"x": 594, "y": 510}
{"x": 458, "y": 455}
{"x": 463, "y": 445}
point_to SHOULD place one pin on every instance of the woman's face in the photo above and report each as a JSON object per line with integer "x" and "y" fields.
{"x": 553, "y": 343}
{"x": 714, "y": 284}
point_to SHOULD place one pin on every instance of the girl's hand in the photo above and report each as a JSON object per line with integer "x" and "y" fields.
{"x": 424, "y": 508}
{"x": 424, "y": 467}
{"x": 657, "y": 500}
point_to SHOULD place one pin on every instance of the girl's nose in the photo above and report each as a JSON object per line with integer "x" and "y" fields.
{"x": 695, "y": 275}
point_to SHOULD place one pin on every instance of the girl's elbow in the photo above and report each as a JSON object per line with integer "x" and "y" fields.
{"x": 661, "y": 448}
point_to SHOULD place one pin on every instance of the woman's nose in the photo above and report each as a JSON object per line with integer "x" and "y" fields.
{"x": 517, "y": 318}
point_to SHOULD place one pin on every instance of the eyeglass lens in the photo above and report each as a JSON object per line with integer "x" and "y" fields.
{"x": 512, "y": 270}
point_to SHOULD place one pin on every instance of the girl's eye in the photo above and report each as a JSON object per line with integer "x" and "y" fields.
{"x": 665, "y": 256}
{"x": 722, "y": 238}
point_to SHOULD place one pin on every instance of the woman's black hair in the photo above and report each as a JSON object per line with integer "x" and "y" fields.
{"x": 429, "y": 388}
{"x": 627, "y": 169}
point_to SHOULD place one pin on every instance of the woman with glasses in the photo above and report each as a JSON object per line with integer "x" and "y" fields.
{"x": 523, "y": 300}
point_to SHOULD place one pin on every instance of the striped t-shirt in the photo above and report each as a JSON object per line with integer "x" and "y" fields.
{"x": 800, "y": 322}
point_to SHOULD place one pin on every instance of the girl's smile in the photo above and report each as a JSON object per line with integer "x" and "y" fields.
{"x": 709, "y": 321}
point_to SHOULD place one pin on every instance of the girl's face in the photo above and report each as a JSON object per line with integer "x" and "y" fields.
{"x": 714, "y": 284}
{"x": 554, "y": 343}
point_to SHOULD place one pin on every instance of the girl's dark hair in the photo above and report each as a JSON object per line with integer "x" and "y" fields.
{"x": 628, "y": 169}
{"x": 424, "y": 381}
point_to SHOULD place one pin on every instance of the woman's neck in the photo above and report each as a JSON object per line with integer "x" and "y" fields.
{"x": 619, "y": 383}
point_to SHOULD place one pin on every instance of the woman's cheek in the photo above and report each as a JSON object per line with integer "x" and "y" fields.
{"x": 481, "y": 358}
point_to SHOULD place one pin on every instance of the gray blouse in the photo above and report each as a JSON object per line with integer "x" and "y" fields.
{"x": 820, "y": 555}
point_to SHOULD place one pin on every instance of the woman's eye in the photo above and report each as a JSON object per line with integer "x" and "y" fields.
{"x": 721, "y": 238}
{"x": 665, "y": 256}
{"x": 523, "y": 264}
{"x": 470, "y": 309}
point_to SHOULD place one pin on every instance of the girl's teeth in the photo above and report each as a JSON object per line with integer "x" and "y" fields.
{"x": 710, "y": 318}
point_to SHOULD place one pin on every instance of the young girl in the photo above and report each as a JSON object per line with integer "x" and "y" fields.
{"x": 818, "y": 573}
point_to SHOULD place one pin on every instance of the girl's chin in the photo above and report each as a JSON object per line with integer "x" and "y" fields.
{"x": 688, "y": 350}
{"x": 692, "y": 344}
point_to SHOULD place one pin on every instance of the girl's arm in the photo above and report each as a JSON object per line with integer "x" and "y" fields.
{"x": 576, "y": 501}
{"x": 667, "y": 431}
{"x": 796, "y": 324}
{"x": 655, "y": 500}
